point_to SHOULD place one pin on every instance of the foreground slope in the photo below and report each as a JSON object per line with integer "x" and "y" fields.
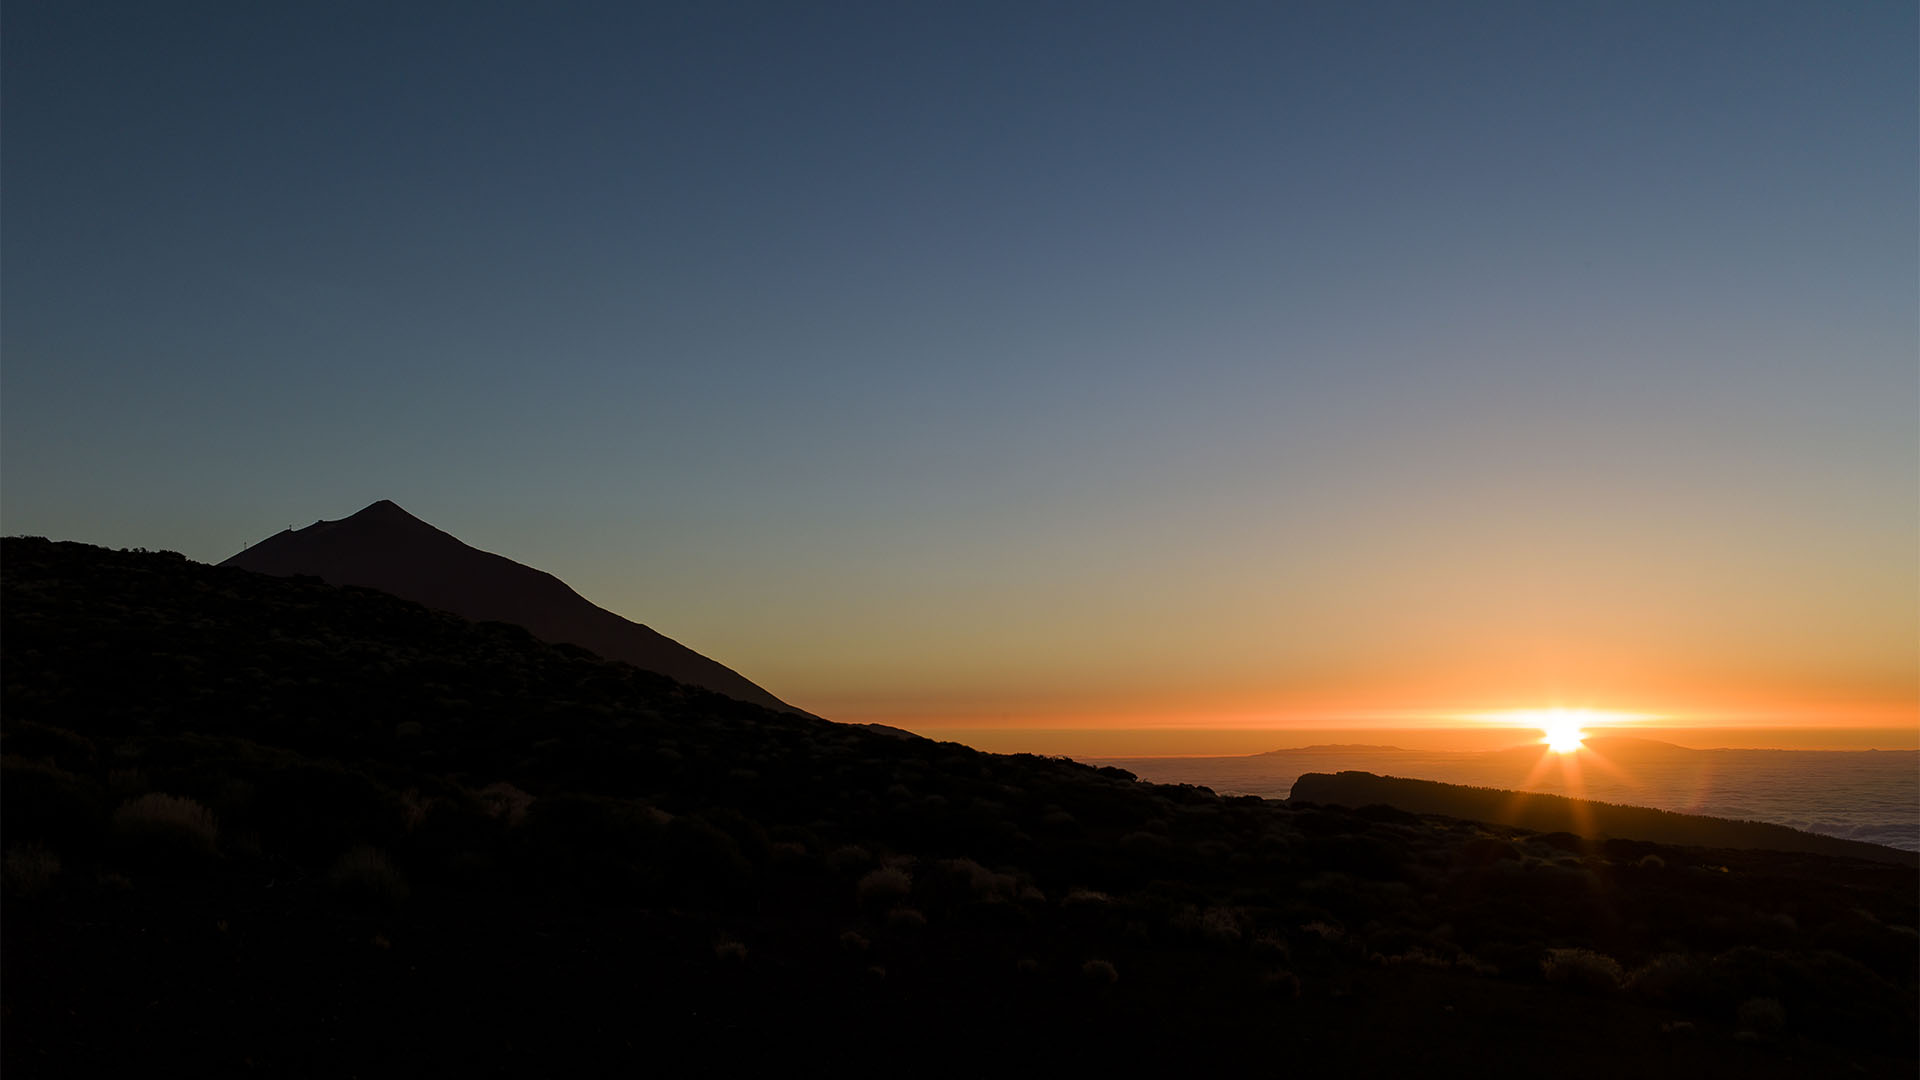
{"x": 256, "y": 824}
{"x": 384, "y": 547}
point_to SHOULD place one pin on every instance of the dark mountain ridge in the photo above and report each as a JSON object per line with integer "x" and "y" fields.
{"x": 384, "y": 547}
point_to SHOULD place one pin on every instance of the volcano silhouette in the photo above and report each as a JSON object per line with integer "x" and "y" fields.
{"x": 384, "y": 547}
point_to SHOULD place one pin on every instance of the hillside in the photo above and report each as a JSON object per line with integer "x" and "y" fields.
{"x": 384, "y": 547}
{"x": 1581, "y": 817}
{"x": 260, "y": 824}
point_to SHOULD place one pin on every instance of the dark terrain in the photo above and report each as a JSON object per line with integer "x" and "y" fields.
{"x": 260, "y": 825}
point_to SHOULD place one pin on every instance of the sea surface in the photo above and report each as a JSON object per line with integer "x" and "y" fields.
{"x": 1871, "y": 795}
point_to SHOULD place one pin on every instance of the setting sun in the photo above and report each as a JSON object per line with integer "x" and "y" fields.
{"x": 1564, "y": 737}
{"x": 1563, "y": 731}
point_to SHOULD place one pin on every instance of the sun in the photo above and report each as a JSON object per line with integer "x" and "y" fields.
{"x": 1565, "y": 730}
{"x": 1562, "y": 730}
{"x": 1563, "y": 736}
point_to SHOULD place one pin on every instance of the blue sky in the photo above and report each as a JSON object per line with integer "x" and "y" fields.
{"x": 984, "y": 364}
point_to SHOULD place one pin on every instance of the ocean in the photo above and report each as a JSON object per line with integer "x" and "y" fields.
{"x": 1871, "y": 795}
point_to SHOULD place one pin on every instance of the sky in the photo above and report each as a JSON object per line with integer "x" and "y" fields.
{"x": 1027, "y": 366}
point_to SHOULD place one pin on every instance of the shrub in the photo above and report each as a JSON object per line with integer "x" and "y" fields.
{"x": 1762, "y": 1015}
{"x": 1099, "y": 972}
{"x": 849, "y": 857}
{"x": 1281, "y": 983}
{"x": 703, "y": 863}
{"x": 977, "y": 880}
{"x": 29, "y": 870}
{"x": 365, "y": 875}
{"x": 505, "y": 802}
{"x": 166, "y": 828}
{"x": 312, "y": 809}
{"x": 884, "y": 887}
{"x": 788, "y": 853}
{"x": 1222, "y": 925}
{"x": 1676, "y": 979}
{"x": 906, "y": 919}
{"x": 1583, "y": 969}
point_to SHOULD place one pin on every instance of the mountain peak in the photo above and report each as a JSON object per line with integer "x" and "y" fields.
{"x": 384, "y": 510}
{"x": 384, "y": 547}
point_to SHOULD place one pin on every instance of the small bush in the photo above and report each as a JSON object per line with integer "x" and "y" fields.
{"x": 1674, "y": 979}
{"x": 884, "y": 887}
{"x": 849, "y": 857}
{"x": 1271, "y": 946}
{"x": 365, "y": 875}
{"x": 1281, "y": 983}
{"x": 1762, "y": 1016}
{"x": 1221, "y": 925}
{"x": 166, "y": 829}
{"x": 505, "y": 802}
{"x": 981, "y": 883}
{"x": 1583, "y": 969}
{"x": 1099, "y": 972}
{"x": 30, "y": 870}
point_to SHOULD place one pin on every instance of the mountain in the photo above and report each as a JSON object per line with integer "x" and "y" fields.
{"x": 1632, "y": 746}
{"x": 384, "y": 547}
{"x": 1331, "y": 748}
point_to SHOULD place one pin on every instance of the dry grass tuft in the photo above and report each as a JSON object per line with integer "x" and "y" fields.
{"x": 30, "y": 870}
{"x": 1583, "y": 969}
{"x": 166, "y": 827}
{"x": 365, "y": 875}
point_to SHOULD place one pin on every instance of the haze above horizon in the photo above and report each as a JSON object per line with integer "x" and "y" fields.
{"x": 996, "y": 368}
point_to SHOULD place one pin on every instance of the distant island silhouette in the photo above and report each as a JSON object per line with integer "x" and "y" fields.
{"x": 1345, "y": 748}
{"x": 1581, "y": 817}
{"x": 384, "y": 547}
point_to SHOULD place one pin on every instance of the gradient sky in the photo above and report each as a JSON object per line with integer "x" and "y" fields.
{"x": 968, "y": 365}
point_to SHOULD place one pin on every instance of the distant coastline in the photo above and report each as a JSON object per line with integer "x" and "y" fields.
{"x": 1580, "y": 817}
{"x": 1867, "y": 795}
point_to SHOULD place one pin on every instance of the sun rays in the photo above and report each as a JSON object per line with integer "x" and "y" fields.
{"x": 1563, "y": 735}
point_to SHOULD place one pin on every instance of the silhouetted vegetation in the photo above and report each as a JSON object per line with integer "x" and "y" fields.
{"x": 263, "y": 824}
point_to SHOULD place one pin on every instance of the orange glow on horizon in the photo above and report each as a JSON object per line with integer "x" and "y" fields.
{"x": 1224, "y": 725}
{"x": 1015, "y": 712}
